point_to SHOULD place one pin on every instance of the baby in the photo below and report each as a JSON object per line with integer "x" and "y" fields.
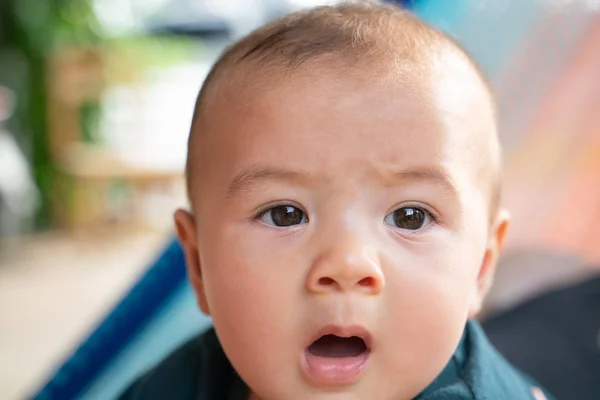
{"x": 343, "y": 172}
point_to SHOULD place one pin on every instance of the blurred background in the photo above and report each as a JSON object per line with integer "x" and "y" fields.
{"x": 96, "y": 97}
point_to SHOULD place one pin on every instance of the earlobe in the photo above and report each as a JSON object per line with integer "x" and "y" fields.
{"x": 490, "y": 259}
{"x": 188, "y": 237}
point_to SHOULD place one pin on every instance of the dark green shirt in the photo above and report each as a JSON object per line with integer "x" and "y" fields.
{"x": 199, "y": 370}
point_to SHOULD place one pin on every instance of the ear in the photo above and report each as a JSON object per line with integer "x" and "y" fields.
{"x": 488, "y": 265}
{"x": 188, "y": 237}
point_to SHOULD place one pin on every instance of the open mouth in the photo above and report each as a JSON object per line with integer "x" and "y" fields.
{"x": 332, "y": 346}
{"x": 337, "y": 356}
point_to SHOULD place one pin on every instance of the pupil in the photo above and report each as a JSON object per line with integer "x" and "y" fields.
{"x": 409, "y": 218}
{"x": 286, "y": 216}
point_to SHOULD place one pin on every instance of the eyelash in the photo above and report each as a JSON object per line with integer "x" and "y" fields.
{"x": 263, "y": 210}
{"x": 434, "y": 216}
{"x": 434, "y": 219}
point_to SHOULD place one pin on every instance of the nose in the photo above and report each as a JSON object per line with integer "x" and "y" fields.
{"x": 346, "y": 266}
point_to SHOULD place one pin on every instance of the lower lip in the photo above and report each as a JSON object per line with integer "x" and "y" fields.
{"x": 337, "y": 371}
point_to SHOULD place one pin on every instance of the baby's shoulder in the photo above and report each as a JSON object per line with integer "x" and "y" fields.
{"x": 198, "y": 370}
{"x": 478, "y": 371}
{"x": 489, "y": 375}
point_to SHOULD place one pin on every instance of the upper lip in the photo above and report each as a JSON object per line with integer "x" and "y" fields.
{"x": 345, "y": 332}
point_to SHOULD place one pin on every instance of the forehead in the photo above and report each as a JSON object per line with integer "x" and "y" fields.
{"x": 343, "y": 121}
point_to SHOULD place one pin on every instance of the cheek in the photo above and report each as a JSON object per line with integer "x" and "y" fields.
{"x": 442, "y": 282}
{"x": 427, "y": 302}
{"x": 246, "y": 289}
{"x": 428, "y": 299}
{"x": 255, "y": 298}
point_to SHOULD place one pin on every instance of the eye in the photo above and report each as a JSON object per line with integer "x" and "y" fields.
{"x": 283, "y": 216}
{"x": 409, "y": 218}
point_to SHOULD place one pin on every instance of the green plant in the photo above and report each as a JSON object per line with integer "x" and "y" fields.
{"x": 30, "y": 31}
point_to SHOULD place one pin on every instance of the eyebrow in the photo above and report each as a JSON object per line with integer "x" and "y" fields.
{"x": 249, "y": 177}
{"x": 436, "y": 175}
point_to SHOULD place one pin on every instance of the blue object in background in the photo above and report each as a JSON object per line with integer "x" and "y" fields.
{"x": 177, "y": 321}
{"x": 156, "y": 315}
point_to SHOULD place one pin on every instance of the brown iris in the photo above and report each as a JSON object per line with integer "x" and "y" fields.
{"x": 286, "y": 215}
{"x": 409, "y": 218}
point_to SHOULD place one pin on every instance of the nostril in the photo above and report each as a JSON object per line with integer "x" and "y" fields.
{"x": 326, "y": 281}
{"x": 366, "y": 282}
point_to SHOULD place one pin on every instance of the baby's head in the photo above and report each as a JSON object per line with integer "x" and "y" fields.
{"x": 343, "y": 172}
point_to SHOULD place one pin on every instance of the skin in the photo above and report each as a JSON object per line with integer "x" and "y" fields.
{"x": 347, "y": 149}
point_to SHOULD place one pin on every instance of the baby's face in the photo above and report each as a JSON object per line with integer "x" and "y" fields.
{"x": 331, "y": 207}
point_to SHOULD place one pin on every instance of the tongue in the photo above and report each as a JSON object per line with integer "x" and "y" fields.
{"x": 337, "y": 347}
